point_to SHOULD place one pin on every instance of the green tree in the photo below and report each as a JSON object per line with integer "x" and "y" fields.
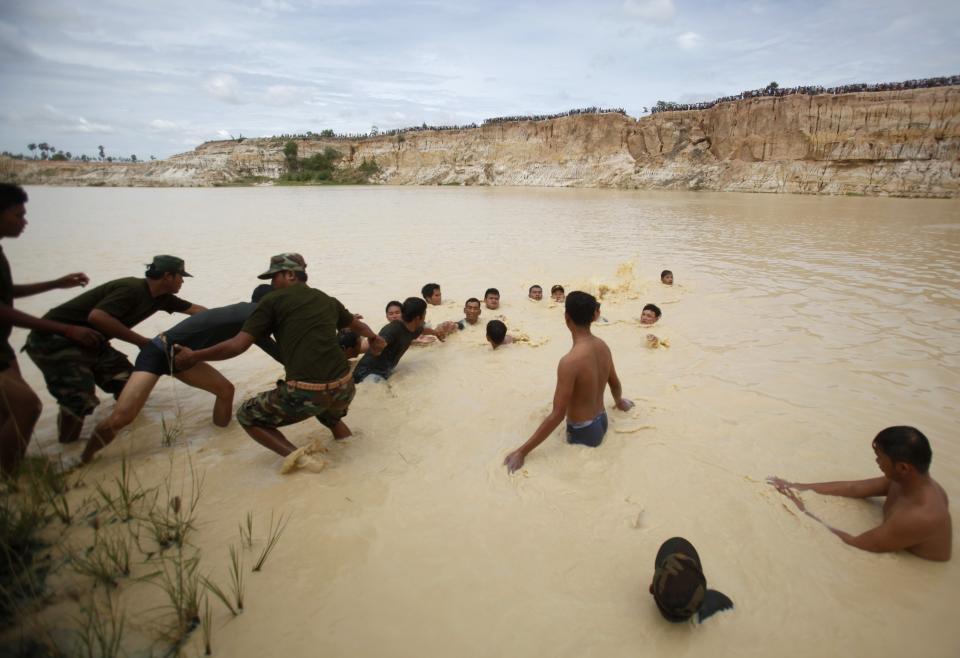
{"x": 102, "y": 154}
{"x": 327, "y": 133}
{"x": 290, "y": 153}
{"x": 133, "y": 158}
{"x": 773, "y": 86}
{"x": 32, "y": 147}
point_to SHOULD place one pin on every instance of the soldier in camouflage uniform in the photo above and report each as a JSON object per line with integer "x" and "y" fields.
{"x": 318, "y": 382}
{"x": 19, "y": 405}
{"x": 73, "y": 372}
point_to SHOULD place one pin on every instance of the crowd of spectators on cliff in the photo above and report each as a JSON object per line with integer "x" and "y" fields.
{"x": 774, "y": 90}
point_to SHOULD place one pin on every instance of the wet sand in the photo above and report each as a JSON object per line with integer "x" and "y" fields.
{"x": 798, "y": 328}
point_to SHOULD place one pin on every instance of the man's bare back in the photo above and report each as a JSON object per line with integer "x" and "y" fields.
{"x": 589, "y": 362}
{"x": 930, "y": 508}
{"x": 582, "y": 376}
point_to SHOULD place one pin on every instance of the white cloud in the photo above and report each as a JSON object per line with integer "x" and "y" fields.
{"x": 283, "y": 95}
{"x": 225, "y": 88}
{"x": 162, "y": 125}
{"x": 652, "y": 10}
{"x": 689, "y": 40}
{"x": 68, "y": 123}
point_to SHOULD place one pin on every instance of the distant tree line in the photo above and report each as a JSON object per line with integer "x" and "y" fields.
{"x": 45, "y": 151}
{"x": 322, "y": 167}
{"x": 775, "y": 90}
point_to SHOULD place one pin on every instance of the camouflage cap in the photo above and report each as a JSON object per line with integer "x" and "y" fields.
{"x": 284, "y": 262}
{"x": 679, "y": 585}
{"x": 165, "y": 263}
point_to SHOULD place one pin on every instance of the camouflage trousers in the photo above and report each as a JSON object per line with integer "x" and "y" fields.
{"x": 73, "y": 372}
{"x": 285, "y": 406}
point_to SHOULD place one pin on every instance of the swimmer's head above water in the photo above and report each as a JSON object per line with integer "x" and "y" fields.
{"x": 491, "y": 299}
{"x": 394, "y": 310}
{"x": 431, "y": 294}
{"x": 666, "y": 278}
{"x": 535, "y": 293}
{"x": 496, "y": 333}
{"x": 557, "y": 293}
{"x": 471, "y": 310}
{"x": 650, "y": 314}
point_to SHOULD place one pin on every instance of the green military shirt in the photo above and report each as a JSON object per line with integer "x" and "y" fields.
{"x": 7, "y": 355}
{"x": 304, "y": 322}
{"x": 128, "y": 300}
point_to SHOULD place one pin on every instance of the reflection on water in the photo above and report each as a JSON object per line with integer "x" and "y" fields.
{"x": 799, "y": 327}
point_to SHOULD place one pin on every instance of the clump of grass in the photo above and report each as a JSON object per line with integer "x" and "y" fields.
{"x": 170, "y": 433}
{"x": 107, "y": 560}
{"x": 236, "y": 576}
{"x": 246, "y": 532}
{"x": 215, "y": 589}
{"x": 179, "y": 579}
{"x": 169, "y": 524}
{"x": 129, "y": 494}
{"x": 206, "y": 625}
{"x": 100, "y": 634}
{"x": 273, "y": 536}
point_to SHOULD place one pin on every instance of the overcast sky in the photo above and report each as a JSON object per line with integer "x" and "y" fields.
{"x": 159, "y": 77}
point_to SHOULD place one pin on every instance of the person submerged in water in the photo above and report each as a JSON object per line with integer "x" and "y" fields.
{"x": 916, "y": 515}
{"x": 582, "y": 377}
{"x": 666, "y": 278}
{"x": 679, "y": 587}
{"x": 497, "y": 334}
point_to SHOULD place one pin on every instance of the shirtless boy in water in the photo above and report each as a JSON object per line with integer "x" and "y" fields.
{"x": 582, "y": 377}
{"x": 916, "y": 514}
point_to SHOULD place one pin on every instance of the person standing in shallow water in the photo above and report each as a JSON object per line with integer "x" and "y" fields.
{"x": 582, "y": 377}
{"x": 73, "y": 372}
{"x": 318, "y": 381}
{"x": 916, "y": 515}
{"x": 19, "y": 405}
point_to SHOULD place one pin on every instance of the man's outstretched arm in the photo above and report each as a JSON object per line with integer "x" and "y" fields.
{"x": 878, "y": 486}
{"x": 187, "y": 358}
{"x": 561, "y": 400}
{"x": 66, "y": 281}
{"x": 899, "y": 532}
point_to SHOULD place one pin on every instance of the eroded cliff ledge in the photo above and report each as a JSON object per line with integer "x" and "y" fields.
{"x": 897, "y": 143}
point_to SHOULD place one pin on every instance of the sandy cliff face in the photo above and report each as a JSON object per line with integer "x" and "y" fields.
{"x": 904, "y": 143}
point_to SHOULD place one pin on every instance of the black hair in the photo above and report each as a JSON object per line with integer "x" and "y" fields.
{"x": 491, "y": 291}
{"x": 654, "y": 308}
{"x": 428, "y": 290}
{"x": 665, "y": 273}
{"x": 496, "y": 331}
{"x": 260, "y": 291}
{"x": 413, "y": 308}
{"x": 472, "y": 299}
{"x": 348, "y": 339}
{"x": 906, "y": 444}
{"x": 534, "y": 286}
{"x": 393, "y": 303}
{"x": 581, "y": 307}
{"x": 556, "y": 288}
{"x": 301, "y": 276}
{"x": 11, "y": 195}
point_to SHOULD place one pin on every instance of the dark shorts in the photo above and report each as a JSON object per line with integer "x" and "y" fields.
{"x": 72, "y": 372}
{"x": 286, "y": 406}
{"x": 155, "y": 357}
{"x": 360, "y": 373}
{"x": 590, "y": 433}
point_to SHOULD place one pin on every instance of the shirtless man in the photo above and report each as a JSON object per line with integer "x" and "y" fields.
{"x": 915, "y": 514}
{"x": 582, "y": 376}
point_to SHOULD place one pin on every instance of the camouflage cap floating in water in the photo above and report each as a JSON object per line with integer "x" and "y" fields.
{"x": 285, "y": 262}
{"x": 679, "y": 585}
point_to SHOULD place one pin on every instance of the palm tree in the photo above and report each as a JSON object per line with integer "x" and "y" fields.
{"x": 32, "y": 147}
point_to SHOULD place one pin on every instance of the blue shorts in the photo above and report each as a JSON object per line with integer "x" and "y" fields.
{"x": 588, "y": 433}
{"x": 155, "y": 357}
